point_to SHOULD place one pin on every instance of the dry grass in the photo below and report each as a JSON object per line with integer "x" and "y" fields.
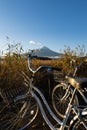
{"x": 11, "y": 68}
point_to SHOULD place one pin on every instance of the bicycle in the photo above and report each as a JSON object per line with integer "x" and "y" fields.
{"x": 62, "y": 93}
{"x": 40, "y": 101}
{"x": 17, "y": 104}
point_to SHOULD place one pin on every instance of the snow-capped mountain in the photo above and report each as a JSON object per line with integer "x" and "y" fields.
{"x": 46, "y": 52}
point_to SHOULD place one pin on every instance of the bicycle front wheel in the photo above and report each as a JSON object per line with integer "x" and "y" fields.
{"x": 61, "y": 99}
{"x": 18, "y": 116}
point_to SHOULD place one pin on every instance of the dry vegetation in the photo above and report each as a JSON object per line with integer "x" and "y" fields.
{"x": 14, "y": 63}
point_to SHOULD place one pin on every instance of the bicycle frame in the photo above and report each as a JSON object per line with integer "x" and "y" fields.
{"x": 69, "y": 85}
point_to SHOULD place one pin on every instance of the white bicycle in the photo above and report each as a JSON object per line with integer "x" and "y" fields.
{"x": 63, "y": 92}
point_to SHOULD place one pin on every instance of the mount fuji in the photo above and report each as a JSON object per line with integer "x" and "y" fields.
{"x": 46, "y": 52}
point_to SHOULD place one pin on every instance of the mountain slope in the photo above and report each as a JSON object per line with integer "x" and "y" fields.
{"x": 46, "y": 52}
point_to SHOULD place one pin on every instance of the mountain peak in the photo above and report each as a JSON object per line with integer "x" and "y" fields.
{"x": 46, "y": 52}
{"x": 44, "y": 47}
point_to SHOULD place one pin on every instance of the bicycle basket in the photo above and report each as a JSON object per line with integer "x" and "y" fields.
{"x": 9, "y": 95}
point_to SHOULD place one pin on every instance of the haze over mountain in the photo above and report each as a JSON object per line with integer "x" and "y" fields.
{"x": 46, "y": 52}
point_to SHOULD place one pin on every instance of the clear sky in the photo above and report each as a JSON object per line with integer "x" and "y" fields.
{"x": 51, "y": 23}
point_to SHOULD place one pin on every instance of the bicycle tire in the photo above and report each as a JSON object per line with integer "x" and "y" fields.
{"x": 19, "y": 115}
{"x": 60, "y": 105}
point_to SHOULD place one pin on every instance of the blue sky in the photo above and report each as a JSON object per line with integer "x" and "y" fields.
{"x": 51, "y": 23}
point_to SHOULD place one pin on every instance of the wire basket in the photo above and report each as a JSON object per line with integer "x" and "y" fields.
{"x": 9, "y": 95}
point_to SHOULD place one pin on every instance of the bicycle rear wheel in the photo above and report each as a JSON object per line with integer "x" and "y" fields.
{"x": 18, "y": 116}
{"x": 60, "y": 99}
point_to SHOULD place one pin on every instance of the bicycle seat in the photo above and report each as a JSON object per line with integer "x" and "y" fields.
{"x": 79, "y": 83}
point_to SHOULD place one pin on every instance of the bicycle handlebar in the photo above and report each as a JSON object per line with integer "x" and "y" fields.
{"x": 40, "y": 67}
